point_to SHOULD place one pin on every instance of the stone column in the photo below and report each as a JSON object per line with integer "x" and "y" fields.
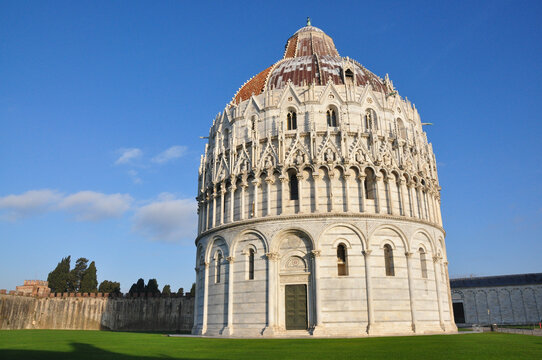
{"x": 438, "y": 210}
{"x": 205, "y": 298}
{"x": 418, "y": 202}
{"x": 435, "y": 211}
{"x": 283, "y": 193}
{"x": 318, "y": 325}
{"x": 412, "y": 205}
{"x": 368, "y": 281}
{"x": 300, "y": 190}
{"x": 229, "y": 328}
{"x": 244, "y": 186}
{"x": 377, "y": 193}
{"x": 315, "y": 177}
{"x": 200, "y": 215}
{"x": 426, "y": 204}
{"x": 362, "y": 192}
{"x": 408, "y": 255}
{"x": 347, "y": 190}
{"x": 331, "y": 176}
{"x": 256, "y": 183}
{"x": 437, "y": 287}
{"x": 400, "y": 183}
{"x": 272, "y": 279}
{"x": 428, "y": 197}
{"x": 269, "y": 181}
{"x": 207, "y": 202}
{"x": 233, "y": 187}
{"x": 389, "y": 195}
{"x": 213, "y": 214}
{"x": 222, "y": 197}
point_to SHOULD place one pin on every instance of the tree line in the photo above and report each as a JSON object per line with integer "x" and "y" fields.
{"x": 83, "y": 279}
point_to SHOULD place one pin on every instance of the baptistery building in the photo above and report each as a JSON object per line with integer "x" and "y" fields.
{"x": 319, "y": 206}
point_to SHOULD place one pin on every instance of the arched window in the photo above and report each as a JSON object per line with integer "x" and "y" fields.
{"x": 226, "y": 138}
{"x": 331, "y": 118}
{"x": 291, "y": 120}
{"x": 371, "y": 122}
{"x": 401, "y": 129}
{"x": 218, "y": 266}
{"x": 342, "y": 268}
{"x": 251, "y": 264}
{"x": 423, "y": 263}
{"x": 253, "y": 123}
{"x": 388, "y": 260}
{"x": 294, "y": 192}
{"x": 349, "y": 77}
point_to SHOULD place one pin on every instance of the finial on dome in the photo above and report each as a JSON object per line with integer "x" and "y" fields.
{"x": 308, "y": 21}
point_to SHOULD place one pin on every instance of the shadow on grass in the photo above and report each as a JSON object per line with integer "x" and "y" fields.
{"x": 80, "y": 351}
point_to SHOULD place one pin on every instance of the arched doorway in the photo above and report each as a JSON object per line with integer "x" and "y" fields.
{"x": 296, "y": 305}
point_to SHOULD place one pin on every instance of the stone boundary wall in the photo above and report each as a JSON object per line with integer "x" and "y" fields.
{"x": 536, "y": 332}
{"x": 97, "y": 311}
{"x": 513, "y": 305}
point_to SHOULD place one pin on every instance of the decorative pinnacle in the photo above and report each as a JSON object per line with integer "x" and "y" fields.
{"x": 308, "y": 21}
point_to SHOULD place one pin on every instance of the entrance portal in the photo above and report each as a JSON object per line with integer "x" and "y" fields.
{"x": 459, "y": 313}
{"x": 296, "y": 307}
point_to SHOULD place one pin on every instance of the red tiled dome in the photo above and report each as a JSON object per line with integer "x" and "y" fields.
{"x": 309, "y": 57}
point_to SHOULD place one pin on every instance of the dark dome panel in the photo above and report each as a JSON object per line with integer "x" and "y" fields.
{"x": 310, "y": 57}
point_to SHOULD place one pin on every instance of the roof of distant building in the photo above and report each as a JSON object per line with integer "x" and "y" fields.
{"x": 500, "y": 280}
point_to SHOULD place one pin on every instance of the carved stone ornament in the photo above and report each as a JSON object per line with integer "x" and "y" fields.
{"x": 230, "y": 259}
{"x": 295, "y": 263}
{"x": 316, "y": 253}
{"x": 273, "y": 256}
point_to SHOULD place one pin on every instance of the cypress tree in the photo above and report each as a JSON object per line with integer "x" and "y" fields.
{"x": 193, "y": 289}
{"x": 59, "y": 278}
{"x": 166, "y": 290}
{"x": 89, "y": 281}
{"x": 76, "y": 274}
{"x": 140, "y": 286}
{"x": 152, "y": 287}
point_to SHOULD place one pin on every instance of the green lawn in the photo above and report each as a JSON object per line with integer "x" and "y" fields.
{"x": 65, "y": 344}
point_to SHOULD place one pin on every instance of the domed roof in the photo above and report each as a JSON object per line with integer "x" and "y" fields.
{"x": 309, "y": 57}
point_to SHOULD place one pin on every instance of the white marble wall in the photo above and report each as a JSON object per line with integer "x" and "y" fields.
{"x": 365, "y": 301}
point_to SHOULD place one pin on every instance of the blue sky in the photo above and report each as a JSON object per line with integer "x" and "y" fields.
{"x": 102, "y": 104}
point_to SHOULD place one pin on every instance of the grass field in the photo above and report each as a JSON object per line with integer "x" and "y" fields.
{"x": 63, "y": 344}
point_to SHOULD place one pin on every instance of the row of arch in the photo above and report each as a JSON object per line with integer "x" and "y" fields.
{"x": 318, "y": 189}
{"x": 279, "y": 259}
{"x": 437, "y": 246}
{"x": 502, "y": 305}
{"x": 370, "y": 121}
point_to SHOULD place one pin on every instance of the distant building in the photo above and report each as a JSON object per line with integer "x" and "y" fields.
{"x": 506, "y": 299}
{"x": 34, "y": 287}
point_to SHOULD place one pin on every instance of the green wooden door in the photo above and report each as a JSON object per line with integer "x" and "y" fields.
{"x": 296, "y": 307}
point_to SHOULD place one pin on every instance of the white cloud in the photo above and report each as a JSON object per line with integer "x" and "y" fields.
{"x": 135, "y": 176}
{"x": 167, "y": 219}
{"x": 32, "y": 202}
{"x": 172, "y": 153}
{"x": 127, "y": 155}
{"x": 95, "y": 206}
